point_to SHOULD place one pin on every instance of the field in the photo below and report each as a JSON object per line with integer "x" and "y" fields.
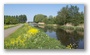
{"x": 28, "y": 37}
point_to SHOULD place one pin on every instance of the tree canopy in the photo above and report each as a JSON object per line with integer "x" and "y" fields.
{"x": 40, "y": 18}
{"x": 14, "y": 19}
{"x": 68, "y": 14}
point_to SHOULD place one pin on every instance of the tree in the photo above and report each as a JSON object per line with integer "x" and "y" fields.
{"x": 70, "y": 15}
{"x": 40, "y": 18}
{"x": 62, "y": 16}
{"x": 81, "y": 18}
{"x": 74, "y": 15}
{"x": 22, "y": 18}
{"x": 7, "y": 19}
{"x": 51, "y": 20}
{"x": 14, "y": 19}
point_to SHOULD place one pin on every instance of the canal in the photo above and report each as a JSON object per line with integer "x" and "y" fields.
{"x": 75, "y": 39}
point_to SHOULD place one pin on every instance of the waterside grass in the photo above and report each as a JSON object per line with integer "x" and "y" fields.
{"x": 74, "y": 28}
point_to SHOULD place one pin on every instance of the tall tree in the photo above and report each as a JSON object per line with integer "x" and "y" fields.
{"x": 63, "y": 15}
{"x": 70, "y": 15}
{"x": 15, "y": 19}
{"x": 74, "y": 15}
{"x": 22, "y": 18}
{"x": 40, "y": 18}
{"x": 51, "y": 20}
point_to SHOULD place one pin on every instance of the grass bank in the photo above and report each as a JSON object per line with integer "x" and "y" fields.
{"x": 75, "y": 28}
{"x": 9, "y": 26}
{"x": 28, "y": 37}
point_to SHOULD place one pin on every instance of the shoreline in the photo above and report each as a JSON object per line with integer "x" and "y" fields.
{"x": 78, "y": 28}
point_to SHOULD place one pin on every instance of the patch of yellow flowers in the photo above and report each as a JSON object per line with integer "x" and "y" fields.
{"x": 33, "y": 31}
{"x": 69, "y": 46}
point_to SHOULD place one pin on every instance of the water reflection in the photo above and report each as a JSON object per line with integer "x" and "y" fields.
{"x": 69, "y": 38}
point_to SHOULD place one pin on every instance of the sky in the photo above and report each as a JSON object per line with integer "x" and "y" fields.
{"x": 30, "y": 10}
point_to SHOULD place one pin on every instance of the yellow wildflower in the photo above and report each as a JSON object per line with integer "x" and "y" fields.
{"x": 33, "y": 31}
{"x": 12, "y": 41}
{"x": 19, "y": 37}
{"x": 69, "y": 46}
{"x": 22, "y": 41}
{"x": 16, "y": 41}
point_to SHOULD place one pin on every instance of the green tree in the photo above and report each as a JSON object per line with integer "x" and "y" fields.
{"x": 51, "y": 20}
{"x": 70, "y": 15}
{"x": 63, "y": 16}
{"x": 14, "y": 19}
{"x": 22, "y": 18}
{"x": 40, "y": 18}
{"x": 74, "y": 15}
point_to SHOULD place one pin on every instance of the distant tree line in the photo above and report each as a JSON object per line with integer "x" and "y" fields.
{"x": 45, "y": 19}
{"x": 15, "y": 19}
{"x": 68, "y": 14}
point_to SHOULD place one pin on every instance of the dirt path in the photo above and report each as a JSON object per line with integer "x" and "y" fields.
{"x": 9, "y": 31}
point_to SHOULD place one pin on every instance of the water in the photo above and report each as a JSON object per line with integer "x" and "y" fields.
{"x": 66, "y": 37}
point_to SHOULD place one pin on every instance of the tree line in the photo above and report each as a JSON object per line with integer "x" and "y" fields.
{"x": 68, "y": 14}
{"x": 15, "y": 19}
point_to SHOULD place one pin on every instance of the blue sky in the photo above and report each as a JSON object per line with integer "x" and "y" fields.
{"x": 32, "y": 9}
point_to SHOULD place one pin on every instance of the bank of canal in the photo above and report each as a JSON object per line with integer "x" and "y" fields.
{"x": 75, "y": 38}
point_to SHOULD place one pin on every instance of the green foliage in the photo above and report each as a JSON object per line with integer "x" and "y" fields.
{"x": 70, "y": 15}
{"x": 9, "y": 26}
{"x": 22, "y": 18}
{"x": 63, "y": 16}
{"x": 14, "y": 19}
{"x": 40, "y": 18}
{"x": 45, "y": 19}
{"x": 51, "y": 20}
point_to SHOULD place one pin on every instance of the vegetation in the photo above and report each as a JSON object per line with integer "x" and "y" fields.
{"x": 40, "y": 18}
{"x": 9, "y": 26}
{"x": 28, "y": 37}
{"x": 68, "y": 14}
{"x": 43, "y": 18}
{"x": 14, "y": 19}
{"x": 75, "y": 28}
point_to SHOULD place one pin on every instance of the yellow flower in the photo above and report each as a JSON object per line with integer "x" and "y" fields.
{"x": 19, "y": 37}
{"x": 16, "y": 41}
{"x": 33, "y": 31}
{"x": 12, "y": 41}
{"x": 22, "y": 41}
{"x": 69, "y": 46}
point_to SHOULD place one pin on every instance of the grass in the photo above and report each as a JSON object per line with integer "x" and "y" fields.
{"x": 28, "y": 37}
{"x": 75, "y": 28}
{"x": 9, "y": 26}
